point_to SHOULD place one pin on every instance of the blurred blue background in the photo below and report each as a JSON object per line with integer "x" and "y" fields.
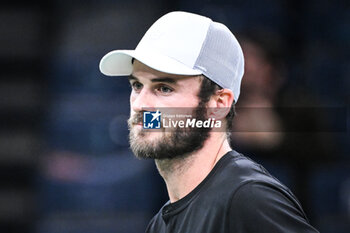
{"x": 65, "y": 163}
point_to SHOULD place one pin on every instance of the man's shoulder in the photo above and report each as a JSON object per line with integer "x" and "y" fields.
{"x": 156, "y": 223}
{"x": 237, "y": 169}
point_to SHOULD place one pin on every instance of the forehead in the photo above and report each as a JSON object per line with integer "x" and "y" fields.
{"x": 141, "y": 70}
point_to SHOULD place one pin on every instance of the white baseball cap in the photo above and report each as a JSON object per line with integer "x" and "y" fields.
{"x": 185, "y": 44}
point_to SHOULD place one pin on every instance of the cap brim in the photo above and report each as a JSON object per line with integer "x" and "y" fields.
{"x": 118, "y": 63}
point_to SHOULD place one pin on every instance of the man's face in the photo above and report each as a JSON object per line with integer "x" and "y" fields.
{"x": 152, "y": 89}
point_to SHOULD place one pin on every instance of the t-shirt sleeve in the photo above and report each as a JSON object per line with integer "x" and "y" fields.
{"x": 261, "y": 207}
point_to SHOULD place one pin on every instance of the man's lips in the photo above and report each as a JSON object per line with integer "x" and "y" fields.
{"x": 137, "y": 124}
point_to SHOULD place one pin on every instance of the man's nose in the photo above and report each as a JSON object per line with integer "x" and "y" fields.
{"x": 142, "y": 101}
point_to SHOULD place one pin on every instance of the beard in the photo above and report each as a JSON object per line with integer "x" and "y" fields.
{"x": 169, "y": 145}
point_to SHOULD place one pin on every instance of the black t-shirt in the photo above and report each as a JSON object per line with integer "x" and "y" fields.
{"x": 237, "y": 196}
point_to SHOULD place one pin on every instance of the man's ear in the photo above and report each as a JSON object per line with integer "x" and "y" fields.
{"x": 220, "y": 103}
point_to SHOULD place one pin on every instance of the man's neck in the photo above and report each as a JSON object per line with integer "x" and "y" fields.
{"x": 184, "y": 174}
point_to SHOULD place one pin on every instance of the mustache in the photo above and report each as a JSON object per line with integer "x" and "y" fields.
{"x": 136, "y": 119}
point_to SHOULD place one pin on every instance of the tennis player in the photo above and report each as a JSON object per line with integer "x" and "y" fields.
{"x": 187, "y": 60}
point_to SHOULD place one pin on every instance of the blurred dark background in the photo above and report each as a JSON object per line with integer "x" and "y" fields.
{"x": 65, "y": 164}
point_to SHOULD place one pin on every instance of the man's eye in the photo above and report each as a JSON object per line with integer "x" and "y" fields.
{"x": 165, "y": 89}
{"x": 136, "y": 86}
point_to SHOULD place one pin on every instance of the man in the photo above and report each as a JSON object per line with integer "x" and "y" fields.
{"x": 186, "y": 60}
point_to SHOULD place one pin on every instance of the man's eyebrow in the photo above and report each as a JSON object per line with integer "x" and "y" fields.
{"x": 132, "y": 77}
{"x": 165, "y": 79}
